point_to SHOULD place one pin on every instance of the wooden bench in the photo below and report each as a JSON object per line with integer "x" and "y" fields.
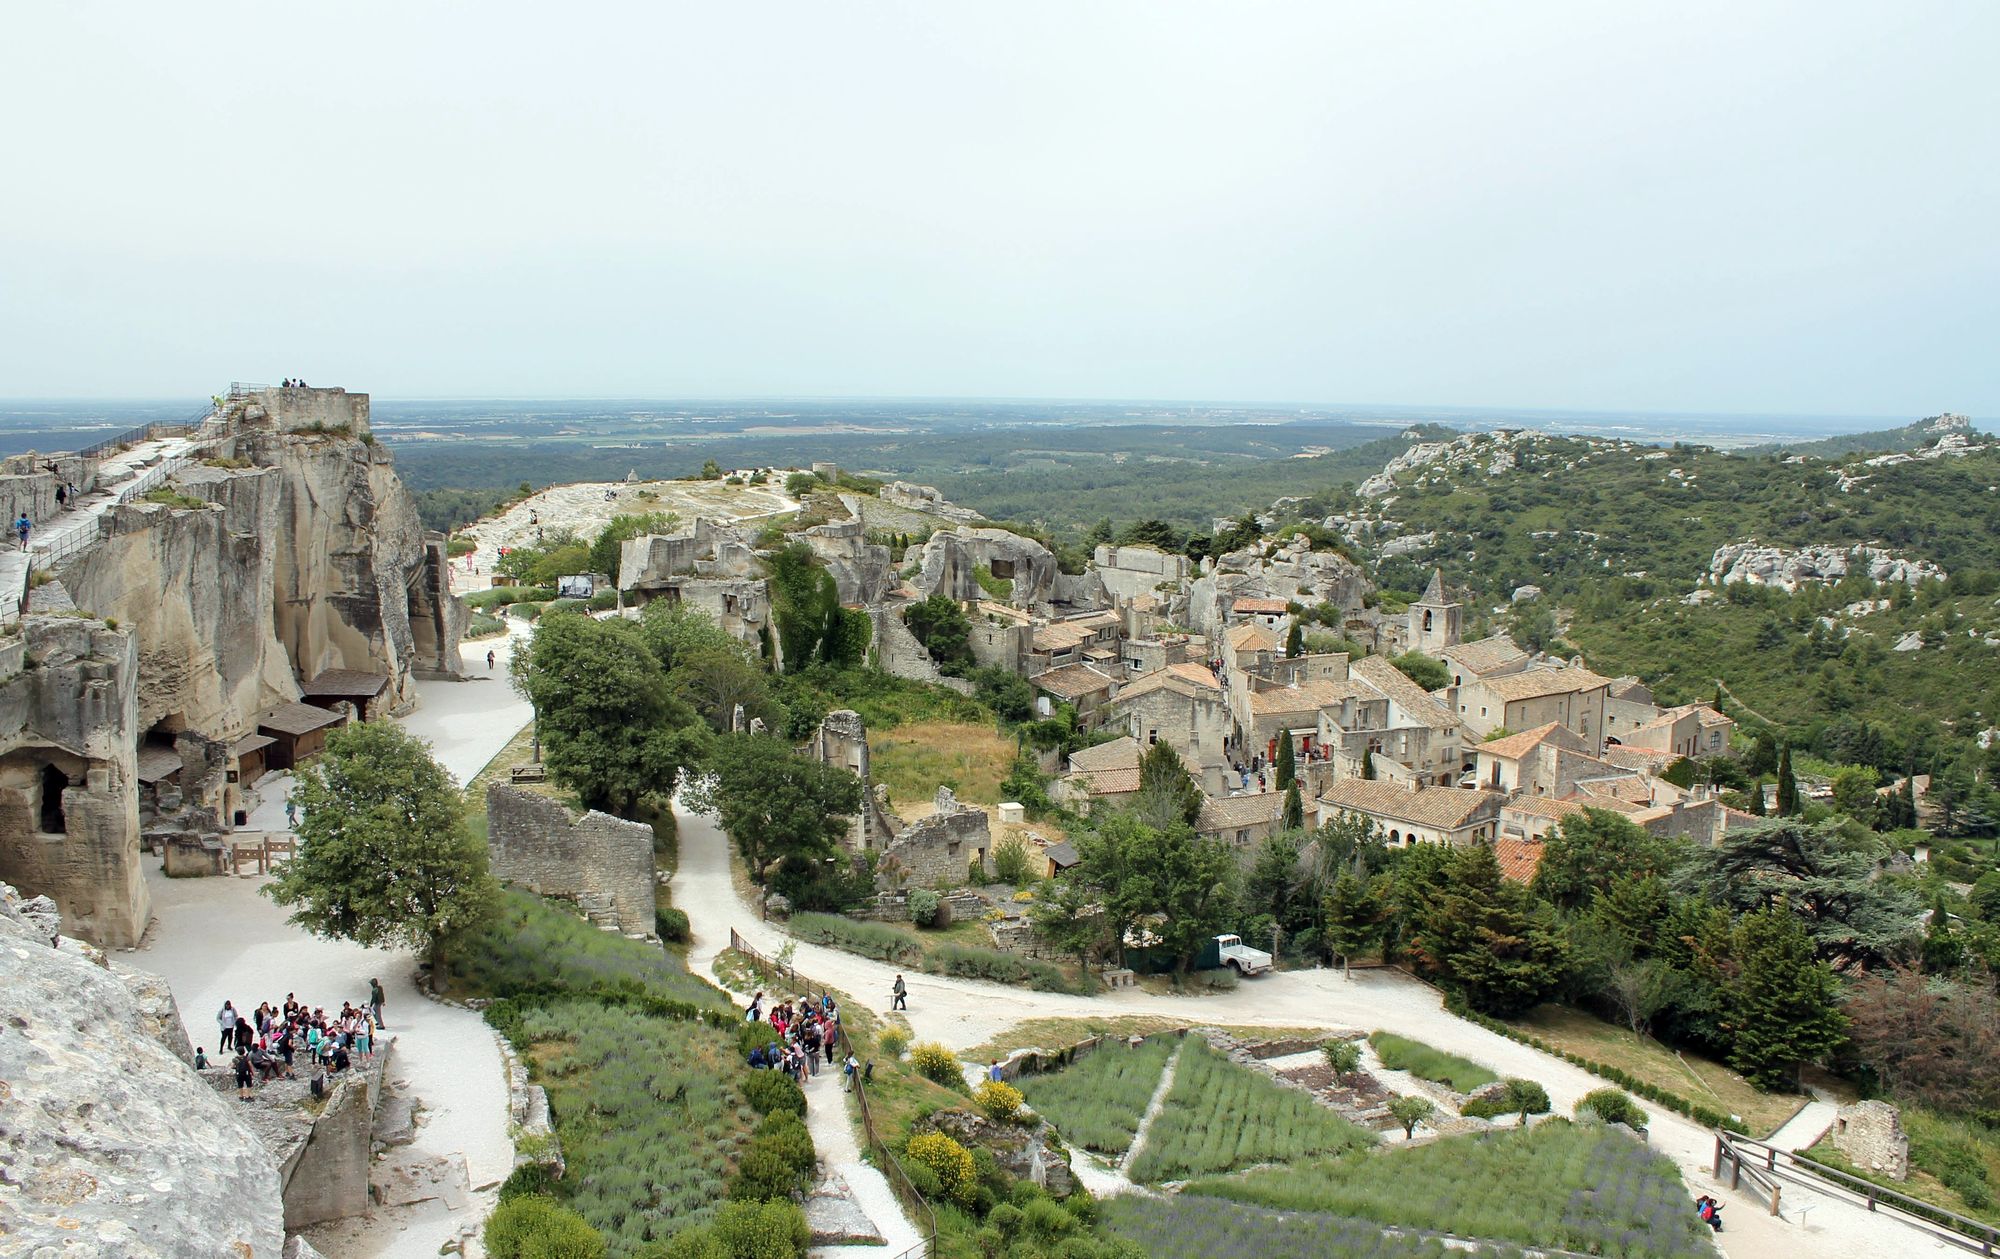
{"x": 528, "y": 774}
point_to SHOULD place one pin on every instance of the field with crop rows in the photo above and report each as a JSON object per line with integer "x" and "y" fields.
{"x": 1181, "y": 1227}
{"x": 1220, "y": 1116}
{"x": 1097, "y": 1101}
{"x": 1578, "y": 1187}
{"x": 1400, "y": 1053}
{"x": 649, "y": 1114}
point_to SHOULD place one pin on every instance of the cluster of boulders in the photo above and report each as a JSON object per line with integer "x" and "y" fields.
{"x": 1788, "y": 568}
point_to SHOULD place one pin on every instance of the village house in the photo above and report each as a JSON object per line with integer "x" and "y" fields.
{"x": 1628, "y": 704}
{"x": 1270, "y": 615}
{"x": 1410, "y": 728}
{"x": 1183, "y": 705}
{"x": 1249, "y": 648}
{"x": 1092, "y": 638}
{"x": 1242, "y": 821}
{"x": 999, "y": 635}
{"x": 1081, "y": 686}
{"x": 1568, "y": 694}
{"x": 1483, "y": 658}
{"x": 1434, "y": 815}
{"x": 1688, "y": 730}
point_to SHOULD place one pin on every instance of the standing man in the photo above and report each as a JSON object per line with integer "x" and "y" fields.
{"x": 901, "y": 993}
{"x": 375, "y": 1002}
{"x": 489, "y": 661}
{"x": 291, "y": 814}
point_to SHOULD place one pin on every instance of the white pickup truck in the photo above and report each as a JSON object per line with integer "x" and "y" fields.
{"x": 1230, "y": 951}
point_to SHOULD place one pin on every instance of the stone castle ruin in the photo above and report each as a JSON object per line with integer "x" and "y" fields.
{"x": 602, "y": 863}
{"x": 158, "y": 638}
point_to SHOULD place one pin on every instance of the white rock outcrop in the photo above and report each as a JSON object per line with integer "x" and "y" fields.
{"x": 110, "y": 1146}
{"x": 1788, "y": 568}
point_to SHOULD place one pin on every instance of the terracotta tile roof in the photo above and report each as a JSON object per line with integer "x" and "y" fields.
{"x": 1071, "y": 681}
{"x": 1446, "y": 808}
{"x": 1624, "y": 687}
{"x": 1060, "y": 637}
{"x": 1105, "y": 782}
{"x": 1541, "y": 683}
{"x": 1122, "y": 752}
{"x": 1544, "y": 806}
{"x": 1306, "y": 697}
{"x": 1648, "y": 759}
{"x": 1485, "y": 655}
{"x": 1612, "y": 803}
{"x": 1188, "y": 679}
{"x": 1395, "y": 685}
{"x": 1250, "y": 637}
{"x": 1258, "y": 607}
{"x": 1516, "y": 746}
{"x": 1518, "y": 858}
{"x": 1225, "y": 813}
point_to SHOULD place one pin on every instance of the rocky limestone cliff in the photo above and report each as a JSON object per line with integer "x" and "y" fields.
{"x": 1788, "y": 568}
{"x": 110, "y": 1146}
{"x": 953, "y": 558}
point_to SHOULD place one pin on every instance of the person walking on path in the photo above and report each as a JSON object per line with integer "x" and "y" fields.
{"x": 901, "y": 993}
{"x": 375, "y": 1002}
{"x": 291, "y": 814}
{"x": 489, "y": 661}
{"x": 21, "y": 528}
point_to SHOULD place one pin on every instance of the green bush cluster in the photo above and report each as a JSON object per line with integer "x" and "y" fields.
{"x": 1706, "y": 1116}
{"x": 530, "y": 947}
{"x": 500, "y": 596}
{"x": 869, "y": 939}
{"x": 1399, "y": 1053}
{"x": 744, "y": 1230}
{"x": 671, "y": 925}
{"x": 535, "y": 1227}
{"x": 484, "y": 626}
{"x": 892, "y": 1041}
{"x": 1613, "y": 1106}
{"x": 924, "y": 906}
{"x": 1522, "y": 1096}
{"x": 778, "y": 1161}
{"x": 774, "y": 1093}
{"x": 967, "y": 962}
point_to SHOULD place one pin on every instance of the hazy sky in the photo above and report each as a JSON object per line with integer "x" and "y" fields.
{"x": 1693, "y": 206}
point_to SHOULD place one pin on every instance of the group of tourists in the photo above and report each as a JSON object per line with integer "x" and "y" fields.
{"x": 293, "y": 383}
{"x": 807, "y": 1032}
{"x": 265, "y": 1044}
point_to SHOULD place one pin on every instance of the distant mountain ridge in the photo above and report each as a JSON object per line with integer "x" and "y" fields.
{"x": 1924, "y": 432}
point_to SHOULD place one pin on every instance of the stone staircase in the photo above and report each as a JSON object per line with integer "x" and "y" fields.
{"x": 600, "y": 909}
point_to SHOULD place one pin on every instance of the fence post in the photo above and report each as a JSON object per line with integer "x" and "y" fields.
{"x": 1774, "y": 1199}
{"x": 1717, "y": 1173}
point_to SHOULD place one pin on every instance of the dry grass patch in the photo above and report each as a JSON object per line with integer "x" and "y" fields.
{"x": 913, "y": 761}
{"x": 1691, "y": 1076}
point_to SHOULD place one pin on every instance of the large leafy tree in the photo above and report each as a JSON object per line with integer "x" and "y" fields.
{"x": 1828, "y": 879}
{"x": 385, "y": 857}
{"x": 941, "y": 626}
{"x": 1484, "y": 936}
{"x": 1279, "y": 887}
{"x": 1186, "y": 884}
{"x": 1167, "y": 792}
{"x": 708, "y": 666}
{"x": 1782, "y": 1003}
{"x": 611, "y": 727}
{"x": 774, "y": 803}
{"x": 1592, "y": 851}
{"x": 1353, "y": 915}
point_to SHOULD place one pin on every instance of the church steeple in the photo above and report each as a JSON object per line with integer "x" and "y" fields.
{"x": 1434, "y": 593}
{"x": 1434, "y": 619}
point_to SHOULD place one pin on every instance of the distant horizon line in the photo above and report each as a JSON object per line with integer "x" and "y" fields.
{"x": 1048, "y": 400}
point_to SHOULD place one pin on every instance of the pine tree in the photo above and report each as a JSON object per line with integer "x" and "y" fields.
{"x": 1489, "y": 938}
{"x": 1757, "y": 798}
{"x": 1942, "y": 951}
{"x": 1288, "y": 768}
{"x": 1788, "y": 787}
{"x": 1295, "y": 809}
{"x": 1783, "y": 1006}
{"x": 1353, "y": 914}
{"x": 1167, "y": 792}
{"x": 1295, "y": 641}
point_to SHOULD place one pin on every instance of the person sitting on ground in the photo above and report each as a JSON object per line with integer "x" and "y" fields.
{"x": 200, "y": 1058}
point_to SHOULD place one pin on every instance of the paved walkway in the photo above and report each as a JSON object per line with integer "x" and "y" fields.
{"x": 1808, "y": 1126}
{"x": 218, "y": 939}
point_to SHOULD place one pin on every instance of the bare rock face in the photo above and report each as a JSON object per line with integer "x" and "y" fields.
{"x": 953, "y": 559}
{"x": 1787, "y": 568}
{"x": 110, "y": 1147}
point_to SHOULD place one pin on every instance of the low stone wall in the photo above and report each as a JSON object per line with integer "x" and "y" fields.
{"x": 602, "y": 862}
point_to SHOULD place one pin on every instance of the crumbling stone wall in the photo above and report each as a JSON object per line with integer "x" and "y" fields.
{"x": 1870, "y": 1136}
{"x": 842, "y": 741}
{"x": 939, "y": 849}
{"x": 535, "y": 843}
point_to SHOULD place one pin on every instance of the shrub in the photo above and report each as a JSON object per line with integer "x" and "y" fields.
{"x": 762, "y": 1230}
{"x": 1000, "y": 1101}
{"x": 1344, "y": 1056}
{"x": 1005, "y": 968}
{"x": 529, "y": 1178}
{"x": 870, "y": 939}
{"x": 1010, "y": 861}
{"x": 1399, "y": 1053}
{"x": 777, "y": 1163}
{"x": 484, "y": 626}
{"x": 693, "y": 1243}
{"x": 1410, "y": 1111}
{"x": 534, "y": 1227}
{"x": 937, "y": 1064}
{"x": 671, "y": 925}
{"x": 774, "y": 1092}
{"x": 1527, "y": 1097}
{"x": 1613, "y": 1106}
{"x": 893, "y": 1040}
{"x": 948, "y": 1161}
{"x": 923, "y": 906}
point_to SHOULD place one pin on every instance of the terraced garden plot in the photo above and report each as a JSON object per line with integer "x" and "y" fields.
{"x": 1097, "y": 1101}
{"x": 1181, "y": 1227}
{"x": 1583, "y": 1188}
{"x": 1219, "y": 1116}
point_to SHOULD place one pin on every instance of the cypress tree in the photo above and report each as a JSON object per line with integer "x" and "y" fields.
{"x": 1783, "y": 1005}
{"x": 1288, "y": 769}
{"x": 1788, "y": 787}
{"x": 1295, "y": 641}
{"x": 1368, "y": 763}
{"x": 1757, "y": 798}
{"x": 1295, "y": 809}
{"x": 1906, "y": 812}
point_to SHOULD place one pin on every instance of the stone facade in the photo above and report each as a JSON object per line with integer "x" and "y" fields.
{"x": 843, "y": 741}
{"x": 602, "y": 862}
{"x": 69, "y": 804}
{"x": 1870, "y": 1136}
{"x": 941, "y": 848}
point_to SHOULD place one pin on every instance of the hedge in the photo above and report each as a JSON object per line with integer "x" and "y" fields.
{"x": 1708, "y": 1117}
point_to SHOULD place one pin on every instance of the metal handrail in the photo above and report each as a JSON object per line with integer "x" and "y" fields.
{"x": 899, "y": 1180}
{"x": 1934, "y": 1220}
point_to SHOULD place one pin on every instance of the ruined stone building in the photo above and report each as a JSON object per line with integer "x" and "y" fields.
{"x": 195, "y": 588}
